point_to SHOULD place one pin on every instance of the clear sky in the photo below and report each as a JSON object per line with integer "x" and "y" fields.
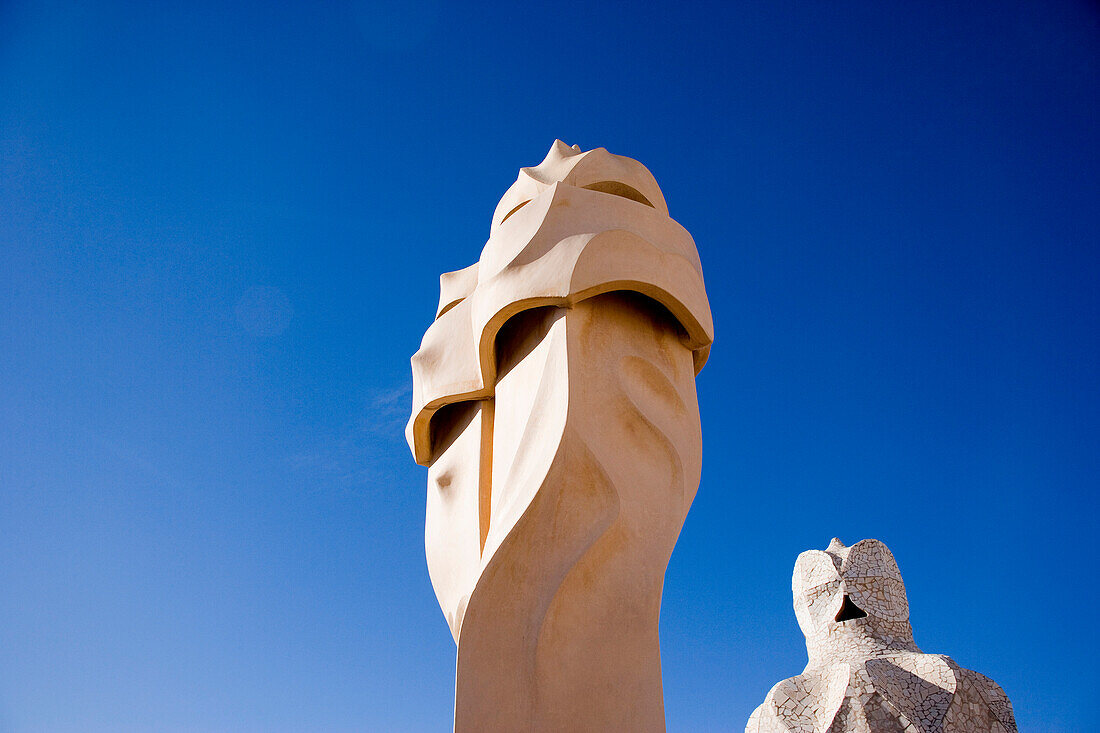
{"x": 221, "y": 227}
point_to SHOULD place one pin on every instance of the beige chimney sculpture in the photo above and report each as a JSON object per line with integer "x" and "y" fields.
{"x": 865, "y": 672}
{"x": 554, "y": 405}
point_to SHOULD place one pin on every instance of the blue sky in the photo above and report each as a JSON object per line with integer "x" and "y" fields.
{"x": 220, "y": 231}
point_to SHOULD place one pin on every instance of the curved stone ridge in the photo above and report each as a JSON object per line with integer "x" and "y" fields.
{"x": 865, "y": 673}
{"x": 567, "y": 230}
{"x": 554, "y": 404}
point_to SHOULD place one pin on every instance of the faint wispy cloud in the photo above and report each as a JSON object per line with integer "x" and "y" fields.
{"x": 363, "y": 454}
{"x": 387, "y": 405}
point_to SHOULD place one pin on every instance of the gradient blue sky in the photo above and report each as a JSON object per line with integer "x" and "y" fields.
{"x": 220, "y": 232}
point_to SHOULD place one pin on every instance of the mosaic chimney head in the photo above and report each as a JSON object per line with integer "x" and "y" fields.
{"x": 848, "y": 592}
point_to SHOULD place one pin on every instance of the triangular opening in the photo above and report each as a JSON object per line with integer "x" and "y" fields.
{"x": 849, "y": 611}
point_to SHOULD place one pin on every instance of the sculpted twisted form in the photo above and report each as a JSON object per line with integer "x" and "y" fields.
{"x": 865, "y": 672}
{"x": 554, "y": 405}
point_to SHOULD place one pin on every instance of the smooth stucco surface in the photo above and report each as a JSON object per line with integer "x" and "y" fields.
{"x": 554, "y": 404}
